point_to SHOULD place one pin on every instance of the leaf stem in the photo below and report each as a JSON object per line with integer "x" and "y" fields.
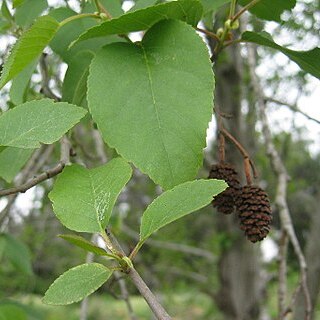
{"x": 232, "y": 8}
{"x": 243, "y": 10}
{"x": 208, "y": 33}
{"x": 96, "y": 2}
{"x": 136, "y": 249}
{"x": 247, "y": 161}
{"x": 79, "y": 16}
{"x": 102, "y": 9}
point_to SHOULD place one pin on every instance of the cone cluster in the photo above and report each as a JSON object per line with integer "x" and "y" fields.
{"x": 251, "y": 202}
{"x": 254, "y": 212}
{"x": 225, "y": 201}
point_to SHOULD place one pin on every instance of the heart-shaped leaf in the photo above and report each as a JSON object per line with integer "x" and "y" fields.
{"x": 186, "y": 10}
{"x": 178, "y": 202}
{"x": 83, "y": 199}
{"x": 152, "y": 116}
{"x": 76, "y": 284}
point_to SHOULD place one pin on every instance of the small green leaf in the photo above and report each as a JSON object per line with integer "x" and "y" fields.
{"x": 17, "y": 253}
{"x": 38, "y": 121}
{"x": 76, "y": 284}
{"x": 5, "y": 11}
{"x": 270, "y": 9}
{"x": 28, "y": 11}
{"x": 28, "y": 47}
{"x": 12, "y": 160}
{"x": 20, "y": 84}
{"x": 178, "y": 202}
{"x": 74, "y": 88}
{"x": 186, "y": 10}
{"x": 96, "y": 190}
{"x": 84, "y": 244}
{"x": 153, "y": 118}
{"x": 306, "y": 60}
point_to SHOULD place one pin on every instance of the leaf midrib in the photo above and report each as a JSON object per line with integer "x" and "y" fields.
{"x": 155, "y": 107}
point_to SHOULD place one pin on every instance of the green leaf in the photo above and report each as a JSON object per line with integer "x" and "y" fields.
{"x": 20, "y": 84}
{"x": 71, "y": 31}
{"x": 12, "y": 160}
{"x": 28, "y": 11}
{"x": 84, "y": 244}
{"x": 74, "y": 88}
{"x": 153, "y": 116}
{"x": 17, "y": 3}
{"x": 38, "y": 121}
{"x": 5, "y": 11}
{"x": 270, "y": 9}
{"x": 18, "y": 254}
{"x": 212, "y": 5}
{"x": 141, "y": 4}
{"x": 11, "y": 311}
{"x": 113, "y": 7}
{"x": 28, "y": 47}
{"x": 76, "y": 284}
{"x": 186, "y": 10}
{"x": 178, "y": 202}
{"x": 96, "y": 190}
{"x": 306, "y": 60}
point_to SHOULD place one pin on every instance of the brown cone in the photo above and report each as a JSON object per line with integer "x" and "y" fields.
{"x": 254, "y": 212}
{"x": 225, "y": 201}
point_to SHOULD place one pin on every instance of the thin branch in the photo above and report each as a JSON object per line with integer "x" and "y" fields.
{"x": 65, "y": 148}
{"x": 282, "y": 175}
{"x": 99, "y": 144}
{"x": 282, "y": 273}
{"x": 292, "y": 107}
{"x": 45, "y": 78}
{"x": 244, "y": 9}
{"x": 125, "y": 294}
{"x": 208, "y": 33}
{"x": 242, "y": 150}
{"x": 37, "y": 160}
{"x": 151, "y": 300}
{"x": 149, "y": 297}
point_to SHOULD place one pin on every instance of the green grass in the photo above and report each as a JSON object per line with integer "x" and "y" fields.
{"x": 186, "y": 306}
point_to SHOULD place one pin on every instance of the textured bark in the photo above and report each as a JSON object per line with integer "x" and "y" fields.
{"x": 241, "y": 289}
{"x": 313, "y": 261}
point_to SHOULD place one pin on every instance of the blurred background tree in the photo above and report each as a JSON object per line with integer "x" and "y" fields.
{"x": 217, "y": 273}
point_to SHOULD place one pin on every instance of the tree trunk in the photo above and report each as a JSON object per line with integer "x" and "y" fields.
{"x": 313, "y": 263}
{"x": 241, "y": 289}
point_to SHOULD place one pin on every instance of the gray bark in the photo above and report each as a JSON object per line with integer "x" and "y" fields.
{"x": 241, "y": 286}
{"x": 313, "y": 262}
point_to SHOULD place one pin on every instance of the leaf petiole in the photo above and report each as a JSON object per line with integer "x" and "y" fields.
{"x": 79, "y": 16}
{"x": 136, "y": 249}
